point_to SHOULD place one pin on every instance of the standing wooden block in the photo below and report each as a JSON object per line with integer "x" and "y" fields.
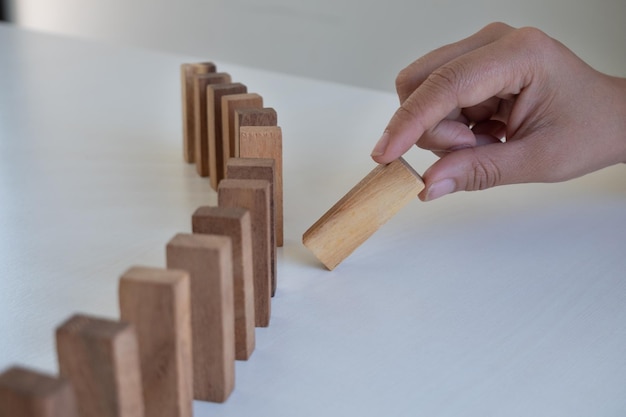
{"x": 202, "y": 124}
{"x": 208, "y": 260}
{"x": 354, "y": 218}
{"x": 253, "y": 117}
{"x": 27, "y": 393}
{"x": 234, "y": 222}
{"x": 266, "y": 142}
{"x": 157, "y": 302}
{"x": 259, "y": 169}
{"x": 254, "y": 195}
{"x": 187, "y": 73}
{"x": 101, "y": 359}
{"x": 214, "y": 95}
{"x": 230, "y": 104}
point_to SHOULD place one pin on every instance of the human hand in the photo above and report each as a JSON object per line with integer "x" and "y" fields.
{"x": 506, "y": 106}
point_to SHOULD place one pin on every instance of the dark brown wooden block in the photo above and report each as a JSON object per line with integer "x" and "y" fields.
{"x": 187, "y": 73}
{"x": 234, "y": 222}
{"x": 254, "y": 195}
{"x": 253, "y": 117}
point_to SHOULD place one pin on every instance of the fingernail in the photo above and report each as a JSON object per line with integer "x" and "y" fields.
{"x": 440, "y": 188}
{"x": 381, "y": 145}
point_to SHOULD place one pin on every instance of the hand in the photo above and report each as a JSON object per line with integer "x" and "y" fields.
{"x": 506, "y": 106}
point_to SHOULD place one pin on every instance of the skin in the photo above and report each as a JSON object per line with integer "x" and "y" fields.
{"x": 506, "y": 106}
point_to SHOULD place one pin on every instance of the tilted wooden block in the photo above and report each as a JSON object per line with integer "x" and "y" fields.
{"x": 187, "y": 73}
{"x": 354, "y": 218}
{"x": 259, "y": 169}
{"x": 208, "y": 260}
{"x": 230, "y": 104}
{"x": 101, "y": 359}
{"x": 157, "y": 302}
{"x": 28, "y": 393}
{"x": 235, "y": 223}
{"x": 253, "y": 117}
{"x": 254, "y": 195}
{"x": 216, "y": 140}
{"x": 201, "y": 120}
{"x": 266, "y": 142}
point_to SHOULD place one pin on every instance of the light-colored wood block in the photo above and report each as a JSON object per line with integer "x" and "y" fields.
{"x": 235, "y": 223}
{"x": 230, "y": 104}
{"x": 214, "y": 95}
{"x": 157, "y": 303}
{"x": 187, "y": 73}
{"x": 354, "y": 218}
{"x": 29, "y": 393}
{"x": 253, "y": 117}
{"x": 101, "y": 360}
{"x": 208, "y": 260}
{"x": 254, "y": 195}
{"x": 266, "y": 142}
{"x": 201, "y": 121}
{"x": 259, "y": 169}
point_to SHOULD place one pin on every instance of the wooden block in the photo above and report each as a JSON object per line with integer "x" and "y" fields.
{"x": 253, "y": 117}
{"x": 234, "y": 222}
{"x": 187, "y": 73}
{"x": 28, "y": 393}
{"x": 101, "y": 359}
{"x": 230, "y": 104}
{"x": 208, "y": 260}
{"x": 153, "y": 295}
{"x": 201, "y": 121}
{"x": 254, "y": 195}
{"x": 354, "y": 218}
{"x": 214, "y": 95}
{"x": 266, "y": 142}
{"x": 259, "y": 169}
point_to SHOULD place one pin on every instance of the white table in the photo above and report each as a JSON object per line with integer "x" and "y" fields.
{"x": 508, "y": 302}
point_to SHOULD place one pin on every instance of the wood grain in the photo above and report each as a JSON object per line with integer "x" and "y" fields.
{"x": 356, "y": 216}
{"x": 267, "y": 142}
{"x": 230, "y": 104}
{"x": 29, "y": 393}
{"x": 187, "y": 73}
{"x": 157, "y": 302}
{"x": 234, "y": 222}
{"x": 253, "y": 117}
{"x": 208, "y": 260}
{"x": 254, "y": 195}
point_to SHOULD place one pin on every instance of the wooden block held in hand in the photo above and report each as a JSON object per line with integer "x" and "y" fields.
{"x": 259, "y": 169}
{"x": 157, "y": 303}
{"x": 230, "y": 104}
{"x": 253, "y": 117}
{"x": 354, "y": 218}
{"x": 101, "y": 360}
{"x": 28, "y": 393}
{"x": 235, "y": 223}
{"x": 254, "y": 195}
{"x": 266, "y": 142}
{"x": 201, "y": 121}
{"x": 187, "y": 73}
{"x": 214, "y": 95}
{"x": 208, "y": 260}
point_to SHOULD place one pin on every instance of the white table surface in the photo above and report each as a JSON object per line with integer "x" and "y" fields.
{"x": 508, "y": 302}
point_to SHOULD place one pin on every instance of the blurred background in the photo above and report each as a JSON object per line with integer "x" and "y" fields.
{"x": 358, "y": 42}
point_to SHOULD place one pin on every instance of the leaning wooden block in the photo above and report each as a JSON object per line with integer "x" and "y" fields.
{"x": 214, "y": 95}
{"x": 201, "y": 121}
{"x": 253, "y": 117}
{"x": 157, "y": 302}
{"x": 230, "y": 104}
{"x": 254, "y": 195}
{"x": 234, "y": 222}
{"x": 266, "y": 142}
{"x": 28, "y": 393}
{"x": 259, "y": 169}
{"x": 208, "y": 260}
{"x": 101, "y": 359}
{"x": 187, "y": 73}
{"x": 354, "y": 218}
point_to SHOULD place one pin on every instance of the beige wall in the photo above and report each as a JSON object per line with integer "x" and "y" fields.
{"x": 361, "y": 42}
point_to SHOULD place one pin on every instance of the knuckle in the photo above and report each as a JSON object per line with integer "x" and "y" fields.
{"x": 484, "y": 174}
